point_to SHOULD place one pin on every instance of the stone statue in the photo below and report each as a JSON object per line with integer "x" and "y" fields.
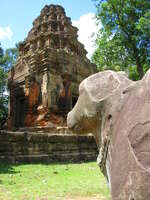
{"x": 117, "y": 111}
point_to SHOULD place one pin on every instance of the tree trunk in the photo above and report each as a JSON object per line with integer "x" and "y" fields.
{"x": 138, "y": 62}
{"x": 139, "y": 68}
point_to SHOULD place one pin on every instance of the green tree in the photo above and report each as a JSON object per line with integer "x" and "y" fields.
{"x": 7, "y": 60}
{"x": 123, "y": 42}
{"x": 3, "y": 97}
{"x": 3, "y": 89}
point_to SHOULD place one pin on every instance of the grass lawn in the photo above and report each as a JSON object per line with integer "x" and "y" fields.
{"x": 52, "y": 182}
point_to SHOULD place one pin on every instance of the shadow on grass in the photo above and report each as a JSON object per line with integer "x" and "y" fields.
{"x": 10, "y": 168}
{"x": 7, "y": 169}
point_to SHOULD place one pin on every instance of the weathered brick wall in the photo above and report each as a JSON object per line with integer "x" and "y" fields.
{"x": 25, "y": 147}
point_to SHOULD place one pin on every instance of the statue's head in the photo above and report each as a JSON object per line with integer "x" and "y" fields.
{"x": 94, "y": 92}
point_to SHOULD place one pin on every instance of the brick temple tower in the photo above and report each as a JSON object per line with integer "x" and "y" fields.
{"x": 52, "y": 62}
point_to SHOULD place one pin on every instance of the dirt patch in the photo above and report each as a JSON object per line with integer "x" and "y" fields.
{"x": 85, "y": 198}
{"x": 78, "y": 198}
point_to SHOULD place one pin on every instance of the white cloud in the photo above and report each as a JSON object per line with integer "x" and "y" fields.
{"x": 5, "y": 33}
{"x": 87, "y": 31}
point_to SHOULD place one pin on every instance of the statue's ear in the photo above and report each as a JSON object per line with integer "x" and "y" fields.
{"x": 103, "y": 84}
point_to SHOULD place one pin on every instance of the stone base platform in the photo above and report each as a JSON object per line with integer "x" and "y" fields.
{"x": 35, "y": 147}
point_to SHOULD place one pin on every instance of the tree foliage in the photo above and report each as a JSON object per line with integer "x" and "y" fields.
{"x": 10, "y": 57}
{"x": 123, "y": 43}
{"x": 7, "y": 60}
{"x": 3, "y": 86}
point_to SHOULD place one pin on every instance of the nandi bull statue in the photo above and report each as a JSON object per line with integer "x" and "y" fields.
{"x": 117, "y": 111}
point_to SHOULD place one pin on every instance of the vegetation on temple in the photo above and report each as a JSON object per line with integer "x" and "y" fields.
{"x": 123, "y": 42}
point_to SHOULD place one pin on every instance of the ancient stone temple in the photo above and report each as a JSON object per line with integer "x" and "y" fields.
{"x": 52, "y": 62}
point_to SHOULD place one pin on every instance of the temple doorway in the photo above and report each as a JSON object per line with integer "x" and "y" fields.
{"x": 20, "y": 112}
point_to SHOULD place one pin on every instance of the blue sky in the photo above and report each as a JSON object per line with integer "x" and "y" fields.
{"x": 16, "y": 17}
